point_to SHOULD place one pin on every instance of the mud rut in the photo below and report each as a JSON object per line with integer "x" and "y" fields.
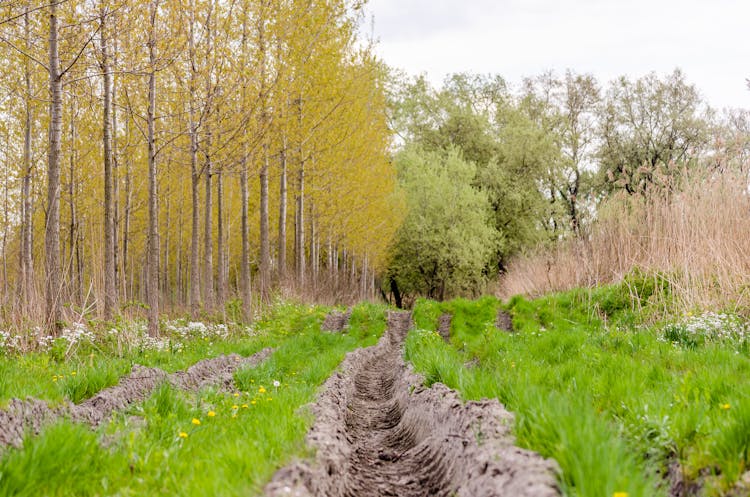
{"x": 379, "y": 432}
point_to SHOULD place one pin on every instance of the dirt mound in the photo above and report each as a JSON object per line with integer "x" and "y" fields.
{"x": 379, "y": 432}
{"x": 218, "y": 371}
{"x": 444, "y": 326}
{"x": 21, "y": 416}
{"x": 336, "y": 321}
{"x": 32, "y": 414}
{"x": 133, "y": 388}
{"x": 504, "y": 322}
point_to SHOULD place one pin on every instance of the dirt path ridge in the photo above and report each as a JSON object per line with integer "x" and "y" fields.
{"x": 444, "y": 326}
{"x": 380, "y": 432}
{"x": 33, "y": 414}
{"x": 504, "y": 322}
{"x": 336, "y": 321}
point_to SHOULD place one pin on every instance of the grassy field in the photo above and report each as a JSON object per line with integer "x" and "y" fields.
{"x": 177, "y": 443}
{"x": 624, "y": 398}
{"x": 614, "y": 400}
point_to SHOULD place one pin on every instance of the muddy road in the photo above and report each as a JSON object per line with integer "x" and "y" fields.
{"x": 380, "y": 432}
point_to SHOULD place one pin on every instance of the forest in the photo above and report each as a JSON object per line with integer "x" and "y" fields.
{"x": 182, "y": 155}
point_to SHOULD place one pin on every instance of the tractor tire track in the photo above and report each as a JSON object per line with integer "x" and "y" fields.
{"x": 380, "y": 432}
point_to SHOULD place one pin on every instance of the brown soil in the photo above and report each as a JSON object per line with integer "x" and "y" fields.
{"x": 444, "y": 326}
{"x": 336, "y": 321}
{"x": 380, "y": 432}
{"x": 32, "y": 414}
{"x": 504, "y": 322}
{"x": 679, "y": 486}
{"x": 21, "y": 416}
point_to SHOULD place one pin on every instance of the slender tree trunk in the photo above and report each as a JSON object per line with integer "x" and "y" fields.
{"x": 208, "y": 267}
{"x": 25, "y": 252}
{"x": 329, "y": 255}
{"x": 314, "y": 255}
{"x": 52, "y": 228}
{"x": 165, "y": 287}
{"x": 153, "y": 215}
{"x": 73, "y": 266}
{"x": 245, "y": 288}
{"x": 195, "y": 293}
{"x": 300, "y": 229}
{"x": 6, "y": 225}
{"x": 115, "y": 176}
{"x": 221, "y": 282}
{"x": 178, "y": 261}
{"x": 265, "y": 247}
{"x": 127, "y": 280}
{"x": 363, "y": 279}
{"x": 110, "y": 294}
{"x": 300, "y": 216}
{"x": 245, "y": 263}
{"x": 282, "y": 210}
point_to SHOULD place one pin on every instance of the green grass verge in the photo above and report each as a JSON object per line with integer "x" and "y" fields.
{"x": 210, "y": 443}
{"x": 608, "y": 398}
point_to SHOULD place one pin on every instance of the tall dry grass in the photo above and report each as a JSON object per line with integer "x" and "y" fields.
{"x": 695, "y": 233}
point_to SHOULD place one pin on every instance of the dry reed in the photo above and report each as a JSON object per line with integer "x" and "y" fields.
{"x": 696, "y": 234}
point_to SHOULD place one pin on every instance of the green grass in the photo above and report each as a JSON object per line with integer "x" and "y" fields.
{"x": 60, "y": 374}
{"x": 240, "y": 439}
{"x": 594, "y": 388}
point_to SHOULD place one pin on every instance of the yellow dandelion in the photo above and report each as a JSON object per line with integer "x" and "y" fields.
{"x": 620, "y": 494}
{"x": 252, "y": 402}
{"x": 236, "y": 394}
{"x": 54, "y": 378}
{"x": 73, "y": 373}
{"x": 183, "y": 434}
{"x": 235, "y": 406}
{"x": 244, "y": 406}
{"x": 725, "y": 406}
{"x": 261, "y": 389}
{"x": 196, "y": 421}
{"x": 234, "y": 415}
{"x": 211, "y": 414}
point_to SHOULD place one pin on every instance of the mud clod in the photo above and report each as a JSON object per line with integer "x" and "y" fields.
{"x": 33, "y": 414}
{"x": 504, "y": 322}
{"x": 380, "y": 432}
{"x": 444, "y": 326}
{"x": 336, "y": 322}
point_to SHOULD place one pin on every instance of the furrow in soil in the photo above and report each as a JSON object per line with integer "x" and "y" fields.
{"x": 380, "y": 432}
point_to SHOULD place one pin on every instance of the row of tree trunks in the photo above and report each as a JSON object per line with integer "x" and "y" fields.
{"x": 151, "y": 273}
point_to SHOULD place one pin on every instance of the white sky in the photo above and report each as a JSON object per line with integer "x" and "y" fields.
{"x": 708, "y": 39}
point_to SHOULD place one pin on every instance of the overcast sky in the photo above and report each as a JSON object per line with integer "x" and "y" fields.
{"x": 708, "y": 39}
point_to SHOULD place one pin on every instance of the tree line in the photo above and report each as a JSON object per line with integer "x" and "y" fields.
{"x": 491, "y": 171}
{"x": 183, "y": 154}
